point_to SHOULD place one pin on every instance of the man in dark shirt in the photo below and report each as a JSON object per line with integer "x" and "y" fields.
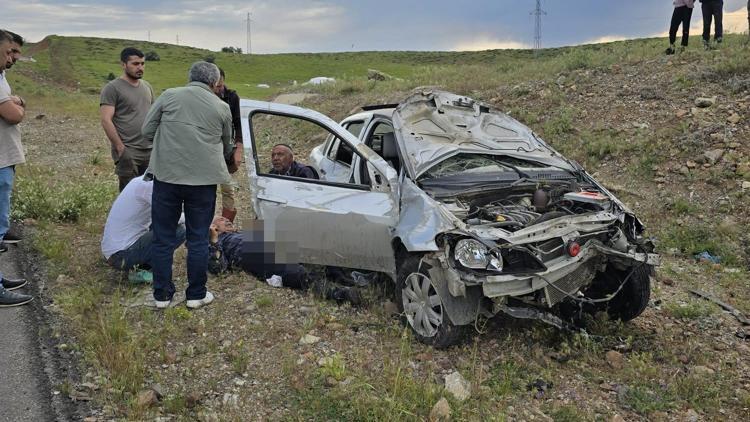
{"x": 230, "y": 249}
{"x": 230, "y": 97}
{"x": 282, "y": 160}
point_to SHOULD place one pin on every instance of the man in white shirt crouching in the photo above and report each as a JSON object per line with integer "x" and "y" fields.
{"x": 127, "y": 239}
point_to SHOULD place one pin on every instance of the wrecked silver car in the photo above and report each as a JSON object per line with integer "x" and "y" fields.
{"x": 464, "y": 208}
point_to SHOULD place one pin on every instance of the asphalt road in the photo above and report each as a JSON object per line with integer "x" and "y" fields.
{"x": 25, "y": 388}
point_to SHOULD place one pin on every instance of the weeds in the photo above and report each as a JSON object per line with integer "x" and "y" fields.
{"x": 689, "y": 310}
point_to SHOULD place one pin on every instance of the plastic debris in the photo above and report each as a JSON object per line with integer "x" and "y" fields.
{"x": 708, "y": 257}
{"x": 274, "y": 281}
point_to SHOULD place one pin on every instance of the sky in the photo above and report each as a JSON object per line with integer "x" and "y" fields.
{"x": 283, "y": 26}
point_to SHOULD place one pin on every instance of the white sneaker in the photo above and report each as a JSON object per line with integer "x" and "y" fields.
{"x": 197, "y": 303}
{"x": 162, "y": 304}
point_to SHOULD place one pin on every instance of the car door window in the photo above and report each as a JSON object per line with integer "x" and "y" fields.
{"x": 269, "y": 130}
{"x": 341, "y": 152}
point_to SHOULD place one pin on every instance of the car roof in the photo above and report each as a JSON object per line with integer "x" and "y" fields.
{"x": 364, "y": 115}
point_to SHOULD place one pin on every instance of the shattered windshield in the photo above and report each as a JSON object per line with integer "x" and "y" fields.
{"x": 479, "y": 164}
{"x": 464, "y": 171}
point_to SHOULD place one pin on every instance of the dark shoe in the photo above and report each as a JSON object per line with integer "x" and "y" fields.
{"x": 669, "y": 51}
{"x": 719, "y": 40}
{"x": 13, "y": 284}
{"x": 346, "y": 294}
{"x": 12, "y": 237}
{"x": 8, "y": 299}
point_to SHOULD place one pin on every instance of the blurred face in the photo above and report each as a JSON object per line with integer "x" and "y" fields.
{"x": 6, "y": 55}
{"x": 134, "y": 67}
{"x": 222, "y": 225}
{"x": 15, "y": 54}
{"x": 281, "y": 158}
{"x": 219, "y": 87}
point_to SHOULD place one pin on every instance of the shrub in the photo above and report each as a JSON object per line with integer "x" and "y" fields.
{"x": 111, "y": 76}
{"x": 152, "y": 56}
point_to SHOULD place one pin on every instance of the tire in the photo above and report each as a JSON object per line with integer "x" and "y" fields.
{"x": 424, "y": 312}
{"x": 632, "y": 299}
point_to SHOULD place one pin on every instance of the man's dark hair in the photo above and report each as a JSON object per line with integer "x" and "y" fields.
{"x": 16, "y": 38}
{"x": 221, "y": 72}
{"x": 5, "y": 36}
{"x": 130, "y": 51}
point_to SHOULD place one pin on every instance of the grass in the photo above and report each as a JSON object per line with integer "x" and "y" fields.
{"x": 393, "y": 380}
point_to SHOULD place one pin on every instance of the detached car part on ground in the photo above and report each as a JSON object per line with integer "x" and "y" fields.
{"x": 467, "y": 211}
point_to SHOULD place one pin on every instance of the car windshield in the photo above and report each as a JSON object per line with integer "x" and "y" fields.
{"x": 470, "y": 170}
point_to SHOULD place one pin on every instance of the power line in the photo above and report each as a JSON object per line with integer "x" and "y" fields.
{"x": 538, "y": 13}
{"x": 249, "y": 35}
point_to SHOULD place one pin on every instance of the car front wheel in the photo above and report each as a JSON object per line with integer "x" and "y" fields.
{"x": 422, "y": 307}
{"x": 633, "y": 297}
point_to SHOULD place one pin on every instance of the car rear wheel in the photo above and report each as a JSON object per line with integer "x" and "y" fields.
{"x": 632, "y": 299}
{"x": 422, "y": 307}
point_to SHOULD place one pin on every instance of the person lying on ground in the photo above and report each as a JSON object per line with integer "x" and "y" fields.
{"x": 127, "y": 241}
{"x": 230, "y": 249}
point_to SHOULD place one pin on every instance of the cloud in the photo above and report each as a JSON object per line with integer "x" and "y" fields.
{"x": 487, "y": 42}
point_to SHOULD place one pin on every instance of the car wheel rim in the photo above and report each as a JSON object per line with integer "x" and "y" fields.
{"x": 422, "y": 305}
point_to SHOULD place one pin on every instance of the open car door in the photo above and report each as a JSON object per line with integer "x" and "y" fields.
{"x": 339, "y": 223}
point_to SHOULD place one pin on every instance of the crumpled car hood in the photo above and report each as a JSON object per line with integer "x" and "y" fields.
{"x": 435, "y": 125}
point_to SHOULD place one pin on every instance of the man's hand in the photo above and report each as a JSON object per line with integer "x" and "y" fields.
{"x": 18, "y": 101}
{"x": 120, "y": 148}
{"x": 213, "y": 233}
{"x": 239, "y": 154}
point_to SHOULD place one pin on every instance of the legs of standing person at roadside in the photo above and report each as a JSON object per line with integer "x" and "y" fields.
{"x": 7, "y": 175}
{"x": 167, "y": 204}
{"x": 228, "y": 210}
{"x": 680, "y": 16}
{"x": 712, "y": 10}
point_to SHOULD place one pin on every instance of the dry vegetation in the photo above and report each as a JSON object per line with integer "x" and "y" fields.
{"x": 623, "y": 110}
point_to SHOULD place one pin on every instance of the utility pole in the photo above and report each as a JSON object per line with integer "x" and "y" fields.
{"x": 249, "y": 37}
{"x": 538, "y": 13}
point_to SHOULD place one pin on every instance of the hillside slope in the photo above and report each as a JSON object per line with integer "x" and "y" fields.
{"x": 624, "y": 110}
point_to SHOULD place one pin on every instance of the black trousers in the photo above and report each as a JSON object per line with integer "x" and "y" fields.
{"x": 713, "y": 10}
{"x": 680, "y": 16}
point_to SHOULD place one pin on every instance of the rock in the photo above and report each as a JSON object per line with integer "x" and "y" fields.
{"x": 691, "y": 164}
{"x": 307, "y": 310}
{"x": 376, "y": 75}
{"x": 331, "y": 382}
{"x": 734, "y": 118}
{"x": 147, "y": 398}
{"x": 40, "y": 116}
{"x": 714, "y": 155}
{"x": 309, "y": 339}
{"x": 230, "y": 400}
{"x": 192, "y": 399}
{"x": 615, "y": 359}
{"x": 745, "y": 186}
{"x": 681, "y": 113}
{"x": 390, "y": 308}
{"x": 441, "y": 411}
{"x": 325, "y": 361}
{"x": 457, "y": 385}
{"x": 701, "y": 370}
{"x": 159, "y": 390}
{"x": 335, "y": 326}
{"x": 170, "y": 357}
{"x": 206, "y": 416}
{"x": 704, "y": 102}
{"x": 684, "y": 359}
{"x": 690, "y": 415}
{"x": 743, "y": 169}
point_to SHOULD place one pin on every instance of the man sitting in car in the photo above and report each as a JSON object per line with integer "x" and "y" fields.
{"x": 282, "y": 160}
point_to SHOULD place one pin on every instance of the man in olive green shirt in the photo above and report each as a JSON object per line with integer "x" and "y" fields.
{"x": 123, "y": 106}
{"x": 191, "y": 129}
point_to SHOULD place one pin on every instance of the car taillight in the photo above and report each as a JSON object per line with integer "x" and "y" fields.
{"x": 573, "y": 248}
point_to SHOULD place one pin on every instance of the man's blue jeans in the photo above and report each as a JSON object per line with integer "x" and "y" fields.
{"x": 7, "y": 174}
{"x": 168, "y": 202}
{"x": 139, "y": 254}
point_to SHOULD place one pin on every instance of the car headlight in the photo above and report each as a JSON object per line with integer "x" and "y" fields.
{"x": 474, "y": 254}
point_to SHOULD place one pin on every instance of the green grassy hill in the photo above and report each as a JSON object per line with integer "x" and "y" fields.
{"x": 624, "y": 110}
{"x": 84, "y": 63}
